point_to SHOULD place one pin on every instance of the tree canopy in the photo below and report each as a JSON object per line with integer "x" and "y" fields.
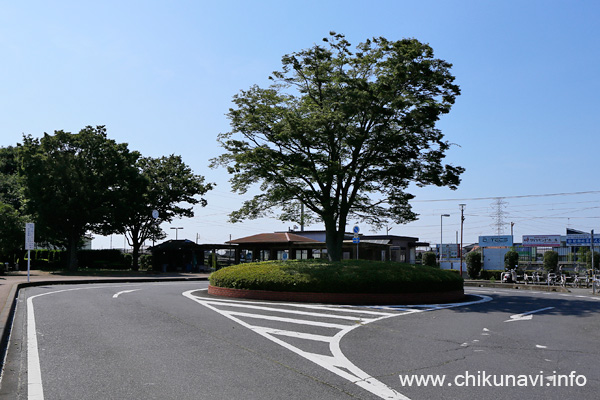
{"x": 168, "y": 186}
{"x": 12, "y": 220}
{"x": 75, "y": 183}
{"x": 344, "y": 133}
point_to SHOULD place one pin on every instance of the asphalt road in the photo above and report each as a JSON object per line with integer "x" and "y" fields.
{"x": 173, "y": 341}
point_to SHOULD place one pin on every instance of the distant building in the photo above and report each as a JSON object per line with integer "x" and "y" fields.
{"x": 311, "y": 244}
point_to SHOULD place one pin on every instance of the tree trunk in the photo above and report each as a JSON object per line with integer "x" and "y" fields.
{"x": 334, "y": 239}
{"x": 73, "y": 246}
{"x": 135, "y": 256}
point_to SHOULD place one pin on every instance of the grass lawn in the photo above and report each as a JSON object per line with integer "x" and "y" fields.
{"x": 348, "y": 276}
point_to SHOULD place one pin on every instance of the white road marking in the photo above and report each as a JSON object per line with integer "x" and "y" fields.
{"x": 124, "y": 291}
{"x": 539, "y": 346}
{"x": 279, "y": 310}
{"x": 526, "y": 316}
{"x": 337, "y": 362}
{"x": 35, "y": 389}
{"x": 290, "y": 320}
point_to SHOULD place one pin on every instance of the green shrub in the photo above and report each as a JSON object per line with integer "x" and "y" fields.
{"x": 348, "y": 276}
{"x": 551, "y": 261}
{"x": 429, "y": 259}
{"x": 473, "y": 260}
{"x": 146, "y": 261}
{"x": 490, "y": 274}
{"x": 102, "y": 259}
{"x": 511, "y": 260}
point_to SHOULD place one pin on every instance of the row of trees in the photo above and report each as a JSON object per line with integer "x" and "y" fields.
{"x": 343, "y": 132}
{"x": 74, "y": 184}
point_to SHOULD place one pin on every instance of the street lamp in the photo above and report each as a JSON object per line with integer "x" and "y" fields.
{"x": 176, "y": 231}
{"x": 441, "y": 237}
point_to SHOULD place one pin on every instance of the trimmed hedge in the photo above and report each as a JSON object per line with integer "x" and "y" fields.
{"x": 102, "y": 259}
{"x": 46, "y": 259}
{"x": 487, "y": 274}
{"x": 348, "y": 276}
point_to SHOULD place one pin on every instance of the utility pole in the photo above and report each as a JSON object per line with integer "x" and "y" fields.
{"x": 462, "y": 220}
{"x": 442, "y": 237}
{"x": 593, "y": 269}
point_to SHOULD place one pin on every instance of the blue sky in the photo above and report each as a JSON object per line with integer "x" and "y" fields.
{"x": 161, "y": 75}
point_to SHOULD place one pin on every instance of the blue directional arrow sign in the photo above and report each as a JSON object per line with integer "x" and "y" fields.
{"x": 356, "y": 240}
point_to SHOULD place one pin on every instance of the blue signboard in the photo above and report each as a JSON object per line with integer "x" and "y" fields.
{"x": 356, "y": 240}
{"x": 582, "y": 240}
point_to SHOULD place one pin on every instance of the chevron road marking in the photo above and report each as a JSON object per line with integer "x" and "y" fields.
{"x": 335, "y": 362}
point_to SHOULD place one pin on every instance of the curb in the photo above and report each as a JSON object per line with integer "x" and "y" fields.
{"x": 341, "y": 298}
{"x": 543, "y": 288}
{"x": 8, "y": 310}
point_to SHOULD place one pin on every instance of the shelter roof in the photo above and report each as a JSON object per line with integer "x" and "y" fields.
{"x": 175, "y": 245}
{"x": 277, "y": 237}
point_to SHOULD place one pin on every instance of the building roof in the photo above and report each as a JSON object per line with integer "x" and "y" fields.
{"x": 175, "y": 245}
{"x": 277, "y": 237}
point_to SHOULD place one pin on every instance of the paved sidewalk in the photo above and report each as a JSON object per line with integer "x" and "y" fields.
{"x": 12, "y": 282}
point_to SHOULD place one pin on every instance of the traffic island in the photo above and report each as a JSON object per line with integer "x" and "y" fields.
{"x": 345, "y": 282}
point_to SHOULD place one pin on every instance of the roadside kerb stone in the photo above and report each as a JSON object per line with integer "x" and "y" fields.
{"x": 522, "y": 286}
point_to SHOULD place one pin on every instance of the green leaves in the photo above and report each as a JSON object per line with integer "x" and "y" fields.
{"x": 344, "y": 133}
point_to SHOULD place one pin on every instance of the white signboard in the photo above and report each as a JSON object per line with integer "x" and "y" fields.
{"x": 496, "y": 241}
{"x": 541, "y": 240}
{"x": 29, "y": 236}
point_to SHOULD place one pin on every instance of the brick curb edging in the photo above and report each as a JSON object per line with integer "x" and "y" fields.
{"x": 341, "y": 298}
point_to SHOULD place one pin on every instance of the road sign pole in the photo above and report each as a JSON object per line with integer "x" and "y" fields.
{"x": 29, "y": 244}
{"x": 356, "y": 239}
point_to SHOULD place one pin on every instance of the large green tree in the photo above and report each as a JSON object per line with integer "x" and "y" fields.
{"x": 343, "y": 132}
{"x": 76, "y": 183}
{"x": 168, "y": 186}
{"x": 12, "y": 220}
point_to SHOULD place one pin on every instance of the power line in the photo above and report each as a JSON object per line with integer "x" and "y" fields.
{"x": 508, "y": 197}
